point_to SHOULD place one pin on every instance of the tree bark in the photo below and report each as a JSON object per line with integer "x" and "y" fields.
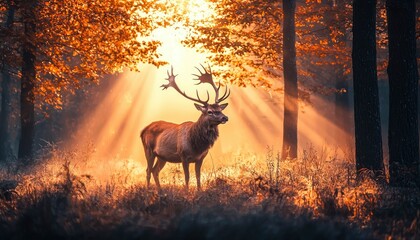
{"x": 290, "y": 116}
{"x": 6, "y": 106}
{"x": 27, "y": 109}
{"x": 342, "y": 111}
{"x": 343, "y": 118}
{"x": 403, "y": 134}
{"x": 6, "y": 110}
{"x": 368, "y": 135}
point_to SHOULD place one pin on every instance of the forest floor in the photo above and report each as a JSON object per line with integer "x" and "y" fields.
{"x": 65, "y": 195}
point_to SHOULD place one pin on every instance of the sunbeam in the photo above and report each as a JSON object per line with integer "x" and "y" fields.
{"x": 134, "y": 100}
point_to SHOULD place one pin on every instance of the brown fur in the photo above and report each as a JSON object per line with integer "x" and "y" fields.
{"x": 185, "y": 143}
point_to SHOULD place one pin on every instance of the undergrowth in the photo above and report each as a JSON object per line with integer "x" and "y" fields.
{"x": 68, "y": 195}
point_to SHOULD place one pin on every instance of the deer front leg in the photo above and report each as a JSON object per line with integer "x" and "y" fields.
{"x": 185, "y": 166}
{"x": 198, "y": 173}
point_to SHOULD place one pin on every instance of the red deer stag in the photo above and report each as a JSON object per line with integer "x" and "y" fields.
{"x": 188, "y": 142}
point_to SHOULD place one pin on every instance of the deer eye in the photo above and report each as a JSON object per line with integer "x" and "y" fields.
{"x": 210, "y": 112}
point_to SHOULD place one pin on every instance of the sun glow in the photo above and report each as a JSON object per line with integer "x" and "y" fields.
{"x": 172, "y": 36}
{"x": 134, "y": 100}
{"x": 196, "y": 10}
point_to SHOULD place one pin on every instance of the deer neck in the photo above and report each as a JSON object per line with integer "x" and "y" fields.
{"x": 203, "y": 135}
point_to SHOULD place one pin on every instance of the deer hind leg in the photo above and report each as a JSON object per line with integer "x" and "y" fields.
{"x": 156, "y": 169}
{"x": 150, "y": 157}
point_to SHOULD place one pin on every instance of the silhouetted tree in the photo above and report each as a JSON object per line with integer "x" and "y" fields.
{"x": 6, "y": 88}
{"x": 403, "y": 134}
{"x": 342, "y": 112}
{"x": 27, "y": 97}
{"x": 290, "y": 81}
{"x": 366, "y": 100}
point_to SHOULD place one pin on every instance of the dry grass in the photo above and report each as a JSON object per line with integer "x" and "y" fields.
{"x": 67, "y": 195}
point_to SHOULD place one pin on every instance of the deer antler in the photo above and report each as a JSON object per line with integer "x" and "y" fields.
{"x": 172, "y": 83}
{"x": 207, "y": 77}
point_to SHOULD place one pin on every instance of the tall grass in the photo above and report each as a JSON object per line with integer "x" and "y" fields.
{"x": 318, "y": 196}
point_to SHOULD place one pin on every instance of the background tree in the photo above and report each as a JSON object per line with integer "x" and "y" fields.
{"x": 337, "y": 17}
{"x": 66, "y": 44}
{"x": 366, "y": 101}
{"x": 6, "y": 79}
{"x": 403, "y": 132}
{"x": 290, "y": 118}
{"x": 27, "y": 97}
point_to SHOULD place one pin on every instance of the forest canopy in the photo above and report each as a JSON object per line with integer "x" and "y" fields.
{"x": 74, "y": 42}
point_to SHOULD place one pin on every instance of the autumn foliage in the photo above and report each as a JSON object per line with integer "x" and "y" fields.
{"x": 77, "y": 42}
{"x": 247, "y": 35}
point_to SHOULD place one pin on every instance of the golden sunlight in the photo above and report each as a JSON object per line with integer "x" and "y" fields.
{"x": 136, "y": 99}
{"x": 92, "y": 169}
{"x": 196, "y": 10}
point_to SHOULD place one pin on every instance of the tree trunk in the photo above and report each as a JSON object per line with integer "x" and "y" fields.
{"x": 6, "y": 110}
{"x": 403, "y": 134}
{"x": 342, "y": 112}
{"x": 366, "y": 100}
{"x": 27, "y": 109}
{"x": 6, "y": 105}
{"x": 290, "y": 81}
{"x": 342, "y": 106}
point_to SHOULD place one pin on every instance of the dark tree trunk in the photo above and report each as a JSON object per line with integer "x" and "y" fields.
{"x": 343, "y": 116}
{"x": 366, "y": 100}
{"x": 27, "y": 109}
{"x": 403, "y": 135}
{"x": 6, "y": 106}
{"x": 342, "y": 105}
{"x": 290, "y": 81}
{"x": 6, "y": 110}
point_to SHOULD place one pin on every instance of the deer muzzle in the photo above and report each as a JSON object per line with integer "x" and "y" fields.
{"x": 224, "y": 119}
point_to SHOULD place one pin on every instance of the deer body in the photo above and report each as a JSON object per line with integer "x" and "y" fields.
{"x": 192, "y": 140}
{"x": 185, "y": 143}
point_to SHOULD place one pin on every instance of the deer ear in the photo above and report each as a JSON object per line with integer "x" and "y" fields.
{"x": 199, "y": 107}
{"x": 223, "y": 106}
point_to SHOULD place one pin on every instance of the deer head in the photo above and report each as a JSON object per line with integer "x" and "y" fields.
{"x": 210, "y": 112}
